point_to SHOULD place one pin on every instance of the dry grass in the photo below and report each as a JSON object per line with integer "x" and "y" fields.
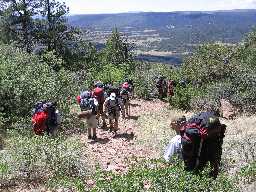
{"x": 239, "y": 147}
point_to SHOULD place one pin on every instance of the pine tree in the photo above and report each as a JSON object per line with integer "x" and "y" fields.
{"x": 17, "y": 22}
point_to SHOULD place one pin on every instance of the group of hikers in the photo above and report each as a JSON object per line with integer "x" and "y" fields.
{"x": 165, "y": 87}
{"x": 105, "y": 101}
{"x": 101, "y": 102}
{"x": 198, "y": 139}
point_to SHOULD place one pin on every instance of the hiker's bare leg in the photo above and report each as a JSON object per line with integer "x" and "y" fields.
{"x": 104, "y": 124}
{"x": 126, "y": 108}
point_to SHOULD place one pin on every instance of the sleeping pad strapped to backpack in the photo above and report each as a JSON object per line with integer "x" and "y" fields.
{"x": 202, "y": 138}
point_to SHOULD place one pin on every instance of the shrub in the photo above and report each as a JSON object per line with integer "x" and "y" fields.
{"x": 145, "y": 76}
{"x": 183, "y": 96}
{"x": 25, "y": 79}
{"x": 110, "y": 73}
{"x": 159, "y": 176}
{"x": 247, "y": 174}
{"x": 42, "y": 158}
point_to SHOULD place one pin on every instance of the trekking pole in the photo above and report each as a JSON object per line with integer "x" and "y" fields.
{"x": 199, "y": 152}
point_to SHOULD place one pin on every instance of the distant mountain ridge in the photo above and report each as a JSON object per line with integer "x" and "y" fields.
{"x": 161, "y": 19}
{"x": 175, "y": 32}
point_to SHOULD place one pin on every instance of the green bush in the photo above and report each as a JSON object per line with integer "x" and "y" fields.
{"x": 110, "y": 73}
{"x": 25, "y": 79}
{"x": 248, "y": 173}
{"x": 145, "y": 76}
{"x": 183, "y": 96}
{"x": 158, "y": 176}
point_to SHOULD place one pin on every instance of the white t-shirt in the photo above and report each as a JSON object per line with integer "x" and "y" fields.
{"x": 174, "y": 148}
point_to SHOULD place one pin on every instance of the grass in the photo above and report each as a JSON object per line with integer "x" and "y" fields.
{"x": 159, "y": 176}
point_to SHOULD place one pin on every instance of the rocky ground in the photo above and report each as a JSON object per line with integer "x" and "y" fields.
{"x": 115, "y": 152}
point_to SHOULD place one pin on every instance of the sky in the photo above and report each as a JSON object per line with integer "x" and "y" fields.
{"x": 119, "y": 6}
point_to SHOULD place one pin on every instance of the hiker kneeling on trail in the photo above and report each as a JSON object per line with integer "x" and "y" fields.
{"x": 89, "y": 106}
{"x": 201, "y": 141}
{"x": 174, "y": 148}
{"x": 125, "y": 96}
{"x": 112, "y": 107}
{"x": 45, "y": 118}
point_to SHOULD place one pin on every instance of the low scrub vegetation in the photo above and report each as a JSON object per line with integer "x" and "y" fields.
{"x": 41, "y": 159}
{"x": 159, "y": 176}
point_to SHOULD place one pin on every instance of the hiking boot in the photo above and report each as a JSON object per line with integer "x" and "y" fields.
{"x": 94, "y": 137}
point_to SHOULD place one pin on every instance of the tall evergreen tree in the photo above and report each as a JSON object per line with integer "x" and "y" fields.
{"x": 52, "y": 28}
{"x": 117, "y": 50}
{"x": 17, "y": 21}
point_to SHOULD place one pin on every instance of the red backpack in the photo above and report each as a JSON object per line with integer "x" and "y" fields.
{"x": 39, "y": 122}
{"x": 98, "y": 93}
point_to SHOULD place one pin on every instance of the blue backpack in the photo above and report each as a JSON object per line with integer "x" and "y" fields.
{"x": 87, "y": 102}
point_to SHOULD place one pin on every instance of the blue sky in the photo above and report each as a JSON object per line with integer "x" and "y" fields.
{"x": 117, "y": 6}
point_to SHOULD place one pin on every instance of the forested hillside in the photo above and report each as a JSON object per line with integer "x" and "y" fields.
{"x": 177, "y": 30}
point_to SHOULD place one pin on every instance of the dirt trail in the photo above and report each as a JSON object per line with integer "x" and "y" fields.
{"x": 115, "y": 153}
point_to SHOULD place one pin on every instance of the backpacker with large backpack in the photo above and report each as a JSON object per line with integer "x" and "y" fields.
{"x": 99, "y": 94}
{"x": 45, "y": 117}
{"x": 125, "y": 92}
{"x": 87, "y": 102}
{"x": 202, "y": 139}
{"x": 113, "y": 105}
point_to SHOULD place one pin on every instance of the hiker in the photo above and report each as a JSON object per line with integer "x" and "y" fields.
{"x": 89, "y": 106}
{"x": 131, "y": 86}
{"x": 112, "y": 107}
{"x": 174, "y": 148}
{"x": 201, "y": 141}
{"x": 125, "y": 96}
{"x": 100, "y": 95}
{"x": 45, "y": 118}
{"x": 170, "y": 88}
{"x": 161, "y": 86}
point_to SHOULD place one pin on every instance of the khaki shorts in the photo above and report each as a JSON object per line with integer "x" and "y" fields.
{"x": 92, "y": 122}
